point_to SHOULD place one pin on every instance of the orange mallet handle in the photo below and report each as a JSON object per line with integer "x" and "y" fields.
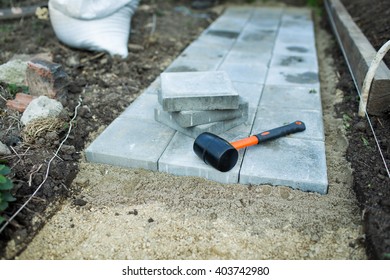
{"x": 268, "y": 135}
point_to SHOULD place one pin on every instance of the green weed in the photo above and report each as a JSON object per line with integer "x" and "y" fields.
{"x": 5, "y": 187}
{"x": 14, "y": 89}
{"x": 347, "y": 121}
{"x": 365, "y": 142}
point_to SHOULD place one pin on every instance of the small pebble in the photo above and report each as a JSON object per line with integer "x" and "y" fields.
{"x": 79, "y": 202}
{"x": 360, "y": 126}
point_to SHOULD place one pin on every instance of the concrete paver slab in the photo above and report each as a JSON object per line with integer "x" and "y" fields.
{"x": 295, "y": 42}
{"x": 215, "y": 127}
{"x": 127, "y": 142}
{"x": 249, "y": 57}
{"x": 292, "y": 77}
{"x": 268, "y": 118}
{"x": 142, "y": 108}
{"x": 297, "y": 163}
{"x": 250, "y": 73}
{"x": 308, "y": 62}
{"x": 192, "y": 65}
{"x": 257, "y": 36}
{"x": 208, "y": 38}
{"x": 192, "y": 118}
{"x": 197, "y": 91}
{"x": 277, "y": 97}
{"x": 199, "y": 51}
{"x": 250, "y": 92}
{"x": 179, "y": 159}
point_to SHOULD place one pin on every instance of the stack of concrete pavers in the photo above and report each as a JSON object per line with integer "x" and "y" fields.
{"x": 196, "y": 102}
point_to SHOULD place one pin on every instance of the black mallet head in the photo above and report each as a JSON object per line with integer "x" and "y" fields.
{"x": 215, "y": 151}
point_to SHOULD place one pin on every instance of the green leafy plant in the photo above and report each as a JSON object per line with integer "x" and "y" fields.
{"x": 365, "y": 142}
{"x": 14, "y": 89}
{"x": 347, "y": 121}
{"x": 5, "y": 186}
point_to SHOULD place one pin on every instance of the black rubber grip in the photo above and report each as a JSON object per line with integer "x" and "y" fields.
{"x": 278, "y": 132}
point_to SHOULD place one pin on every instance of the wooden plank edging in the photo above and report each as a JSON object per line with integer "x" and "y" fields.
{"x": 359, "y": 54}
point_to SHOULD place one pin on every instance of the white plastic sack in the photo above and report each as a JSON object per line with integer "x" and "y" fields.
{"x": 97, "y": 25}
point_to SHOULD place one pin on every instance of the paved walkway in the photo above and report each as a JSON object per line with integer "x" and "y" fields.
{"x": 270, "y": 56}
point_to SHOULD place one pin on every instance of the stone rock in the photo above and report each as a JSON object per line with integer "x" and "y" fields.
{"x": 4, "y": 150}
{"x": 20, "y": 102}
{"x": 27, "y": 57}
{"x": 41, "y": 107}
{"x": 13, "y": 72}
{"x": 46, "y": 78}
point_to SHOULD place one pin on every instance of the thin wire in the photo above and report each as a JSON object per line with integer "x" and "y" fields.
{"x": 356, "y": 85}
{"x": 47, "y": 171}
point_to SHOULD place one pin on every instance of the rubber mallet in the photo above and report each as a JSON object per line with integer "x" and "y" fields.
{"x": 223, "y": 156}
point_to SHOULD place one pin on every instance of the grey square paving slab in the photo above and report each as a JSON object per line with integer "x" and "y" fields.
{"x": 253, "y": 48}
{"x": 250, "y": 92}
{"x": 297, "y": 14}
{"x": 238, "y": 12}
{"x": 294, "y": 46}
{"x": 298, "y": 163}
{"x": 232, "y": 19}
{"x": 249, "y": 57}
{"x": 142, "y": 108}
{"x": 180, "y": 159}
{"x": 201, "y": 51}
{"x": 271, "y": 24}
{"x": 289, "y": 42}
{"x": 295, "y": 61}
{"x": 297, "y": 26}
{"x": 231, "y": 24}
{"x": 197, "y": 91}
{"x": 264, "y": 14}
{"x": 215, "y": 127}
{"x": 129, "y": 142}
{"x": 293, "y": 77}
{"x": 301, "y": 33}
{"x": 297, "y": 23}
{"x": 221, "y": 35}
{"x": 278, "y": 97}
{"x": 257, "y": 36}
{"x": 215, "y": 41}
{"x": 241, "y": 72}
{"x": 192, "y": 118}
{"x": 268, "y": 118}
{"x": 183, "y": 64}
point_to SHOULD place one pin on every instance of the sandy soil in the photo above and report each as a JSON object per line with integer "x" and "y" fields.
{"x": 138, "y": 214}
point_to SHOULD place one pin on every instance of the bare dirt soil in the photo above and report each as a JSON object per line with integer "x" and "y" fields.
{"x": 88, "y": 211}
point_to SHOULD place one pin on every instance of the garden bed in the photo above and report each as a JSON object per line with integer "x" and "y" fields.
{"x": 371, "y": 181}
